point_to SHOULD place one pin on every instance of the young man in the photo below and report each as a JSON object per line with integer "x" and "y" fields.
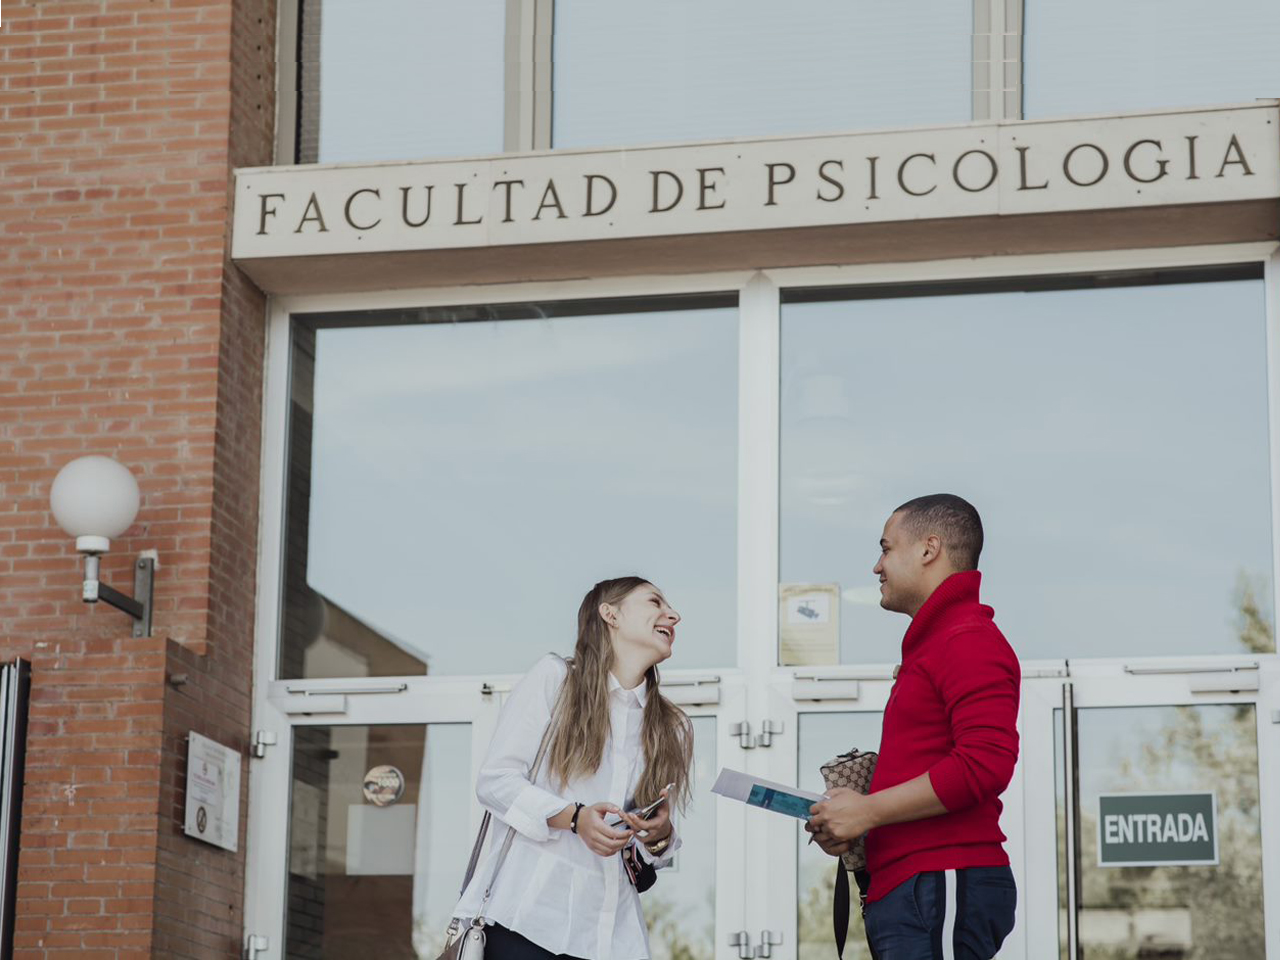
{"x": 940, "y": 879}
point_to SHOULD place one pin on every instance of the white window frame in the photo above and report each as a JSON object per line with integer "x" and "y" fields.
{"x": 529, "y": 43}
{"x": 756, "y": 671}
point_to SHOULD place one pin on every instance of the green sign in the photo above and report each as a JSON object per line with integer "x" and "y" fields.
{"x": 1157, "y": 829}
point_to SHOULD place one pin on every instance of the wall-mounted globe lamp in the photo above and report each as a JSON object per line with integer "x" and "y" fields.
{"x": 94, "y": 499}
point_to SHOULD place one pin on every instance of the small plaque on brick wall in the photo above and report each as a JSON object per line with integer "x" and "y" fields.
{"x": 213, "y": 792}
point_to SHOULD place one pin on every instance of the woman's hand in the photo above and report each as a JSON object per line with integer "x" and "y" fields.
{"x": 600, "y": 838}
{"x": 656, "y": 828}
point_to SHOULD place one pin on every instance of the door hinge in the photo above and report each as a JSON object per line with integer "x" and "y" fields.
{"x": 768, "y": 940}
{"x": 742, "y": 940}
{"x": 254, "y": 945}
{"x": 1275, "y": 716}
{"x": 767, "y": 730}
{"x": 261, "y": 740}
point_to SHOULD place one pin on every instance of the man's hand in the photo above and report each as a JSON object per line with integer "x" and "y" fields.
{"x": 829, "y": 844}
{"x": 842, "y": 818}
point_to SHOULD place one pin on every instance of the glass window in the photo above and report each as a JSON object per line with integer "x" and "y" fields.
{"x": 460, "y": 478}
{"x": 1097, "y": 56}
{"x": 399, "y": 79}
{"x": 628, "y": 73}
{"x": 1114, "y": 439}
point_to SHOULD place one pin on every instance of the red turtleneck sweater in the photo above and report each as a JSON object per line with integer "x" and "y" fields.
{"x": 952, "y": 713}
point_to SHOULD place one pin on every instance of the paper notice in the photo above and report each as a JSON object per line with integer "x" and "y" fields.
{"x": 808, "y": 624}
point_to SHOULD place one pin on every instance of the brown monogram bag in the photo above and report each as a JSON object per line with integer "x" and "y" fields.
{"x": 854, "y": 771}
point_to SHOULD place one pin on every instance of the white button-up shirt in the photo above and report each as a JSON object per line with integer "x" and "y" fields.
{"x": 552, "y": 889}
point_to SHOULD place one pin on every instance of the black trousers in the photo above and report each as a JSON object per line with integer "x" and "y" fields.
{"x": 503, "y": 944}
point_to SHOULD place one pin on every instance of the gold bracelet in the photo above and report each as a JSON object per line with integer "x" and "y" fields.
{"x": 658, "y": 846}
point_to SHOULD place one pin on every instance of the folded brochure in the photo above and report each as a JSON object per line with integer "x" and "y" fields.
{"x": 765, "y": 794}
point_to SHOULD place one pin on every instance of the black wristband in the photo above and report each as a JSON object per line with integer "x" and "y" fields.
{"x": 573, "y": 824}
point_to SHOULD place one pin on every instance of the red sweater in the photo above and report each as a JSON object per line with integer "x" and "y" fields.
{"x": 952, "y": 713}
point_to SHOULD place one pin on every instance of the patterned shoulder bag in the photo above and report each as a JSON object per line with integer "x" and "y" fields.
{"x": 852, "y": 770}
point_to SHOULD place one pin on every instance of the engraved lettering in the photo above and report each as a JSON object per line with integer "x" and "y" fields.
{"x": 822, "y": 172}
{"x": 1066, "y": 164}
{"x": 346, "y": 209}
{"x": 404, "y": 207}
{"x": 657, "y": 207}
{"x": 774, "y": 183}
{"x": 1162, "y": 165}
{"x": 459, "y": 220}
{"x": 613, "y": 195}
{"x": 1022, "y": 173}
{"x": 506, "y": 206}
{"x": 993, "y": 170}
{"x": 264, "y": 211}
{"x": 1234, "y": 147}
{"x": 902, "y": 175}
{"x": 308, "y": 217}
{"x": 550, "y": 204}
{"x": 706, "y": 188}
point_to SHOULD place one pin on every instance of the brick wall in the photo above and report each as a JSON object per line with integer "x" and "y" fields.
{"x": 124, "y": 331}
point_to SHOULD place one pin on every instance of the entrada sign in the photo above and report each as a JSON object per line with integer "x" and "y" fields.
{"x": 972, "y": 170}
{"x": 1157, "y": 829}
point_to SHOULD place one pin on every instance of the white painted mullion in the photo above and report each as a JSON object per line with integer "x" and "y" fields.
{"x": 1269, "y": 694}
{"x": 1271, "y": 308}
{"x": 267, "y": 852}
{"x": 997, "y": 59}
{"x": 287, "y": 68}
{"x": 759, "y": 397}
{"x": 758, "y": 457}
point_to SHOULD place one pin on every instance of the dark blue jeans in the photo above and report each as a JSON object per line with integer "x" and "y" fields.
{"x": 909, "y": 923}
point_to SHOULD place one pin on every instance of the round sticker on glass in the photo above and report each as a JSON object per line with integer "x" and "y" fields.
{"x": 383, "y": 785}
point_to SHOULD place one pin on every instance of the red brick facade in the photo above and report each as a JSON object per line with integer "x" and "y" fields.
{"x": 124, "y": 330}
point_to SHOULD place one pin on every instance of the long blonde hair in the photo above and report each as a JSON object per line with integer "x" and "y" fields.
{"x": 582, "y": 726}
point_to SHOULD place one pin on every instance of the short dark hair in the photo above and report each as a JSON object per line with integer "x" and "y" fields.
{"x": 953, "y": 519}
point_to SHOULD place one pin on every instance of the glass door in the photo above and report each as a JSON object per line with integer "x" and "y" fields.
{"x": 367, "y": 797}
{"x": 1159, "y": 815}
{"x": 820, "y": 713}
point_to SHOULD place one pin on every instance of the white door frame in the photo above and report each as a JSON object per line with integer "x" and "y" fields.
{"x": 758, "y": 508}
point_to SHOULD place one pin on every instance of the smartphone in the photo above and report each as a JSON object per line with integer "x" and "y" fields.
{"x": 644, "y": 813}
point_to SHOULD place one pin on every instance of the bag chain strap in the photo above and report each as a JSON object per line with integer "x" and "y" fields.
{"x": 511, "y": 833}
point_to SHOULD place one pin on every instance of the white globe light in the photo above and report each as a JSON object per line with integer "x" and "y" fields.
{"x": 94, "y": 499}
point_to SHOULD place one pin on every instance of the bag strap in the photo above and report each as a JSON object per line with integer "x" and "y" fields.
{"x": 511, "y": 832}
{"x": 840, "y": 908}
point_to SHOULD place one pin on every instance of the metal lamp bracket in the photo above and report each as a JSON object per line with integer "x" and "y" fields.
{"x": 139, "y": 605}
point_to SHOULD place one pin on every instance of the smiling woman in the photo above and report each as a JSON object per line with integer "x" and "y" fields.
{"x": 433, "y": 453}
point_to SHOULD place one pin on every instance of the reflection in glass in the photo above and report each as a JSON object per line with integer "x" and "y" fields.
{"x": 680, "y": 909}
{"x": 672, "y": 70}
{"x": 1095, "y": 56}
{"x": 400, "y": 79}
{"x": 824, "y": 736}
{"x": 1115, "y": 441}
{"x": 361, "y": 873}
{"x": 456, "y": 487}
{"x": 1188, "y": 912}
